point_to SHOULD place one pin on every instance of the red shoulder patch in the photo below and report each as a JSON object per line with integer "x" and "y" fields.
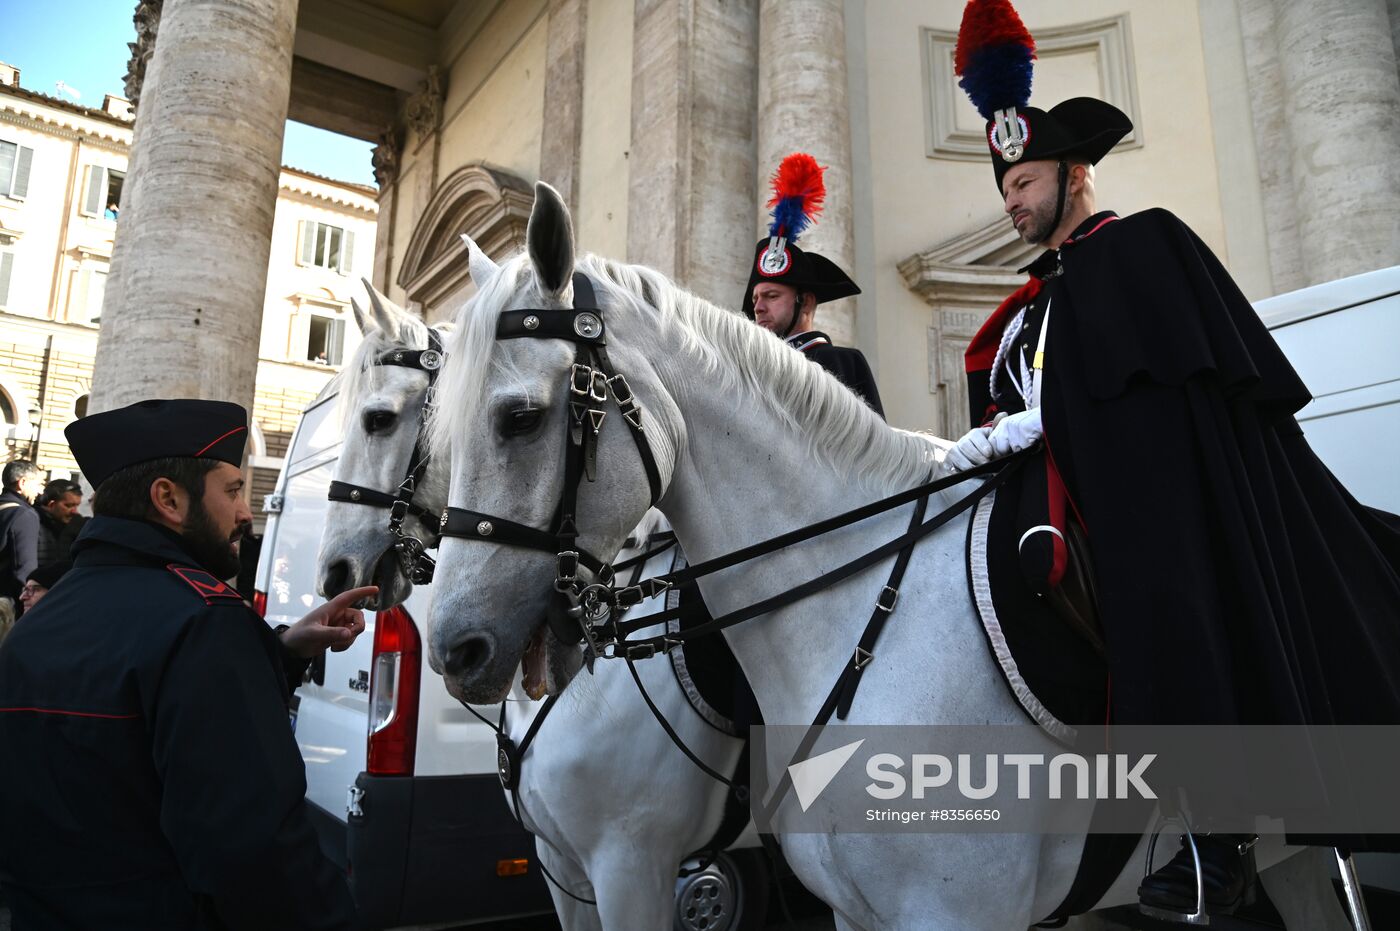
{"x": 205, "y": 585}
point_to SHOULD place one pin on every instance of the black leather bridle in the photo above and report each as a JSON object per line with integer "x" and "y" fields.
{"x": 592, "y": 383}
{"x": 411, "y": 551}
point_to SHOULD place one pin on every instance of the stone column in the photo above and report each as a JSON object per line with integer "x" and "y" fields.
{"x": 693, "y": 159}
{"x": 1342, "y": 109}
{"x": 802, "y": 107}
{"x": 562, "y": 135}
{"x": 191, "y": 252}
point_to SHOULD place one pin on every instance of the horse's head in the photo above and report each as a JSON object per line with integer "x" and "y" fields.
{"x": 504, "y": 412}
{"x": 381, "y": 406}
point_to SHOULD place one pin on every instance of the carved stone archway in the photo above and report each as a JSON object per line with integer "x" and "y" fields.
{"x": 963, "y": 279}
{"x": 490, "y": 205}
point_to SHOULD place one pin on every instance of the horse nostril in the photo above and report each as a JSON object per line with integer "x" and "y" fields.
{"x": 337, "y": 578}
{"x": 467, "y": 656}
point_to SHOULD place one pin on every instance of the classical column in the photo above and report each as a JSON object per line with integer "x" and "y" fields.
{"x": 802, "y": 107}
{"x": 562, "y": 135}
{"x": 693, "y": 159}
{"x": 191, "y": 253}
{"x": 1342, "y": 106}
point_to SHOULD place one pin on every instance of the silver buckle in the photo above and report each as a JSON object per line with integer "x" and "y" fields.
{"x": 889, "y": 597}
{"x": 580, "y": 379}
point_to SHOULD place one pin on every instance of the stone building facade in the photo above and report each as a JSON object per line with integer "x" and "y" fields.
{"x": 62, "y": 166}
{"x": 1268, "y": 125}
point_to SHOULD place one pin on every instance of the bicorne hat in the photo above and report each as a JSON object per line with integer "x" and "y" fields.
{"x": 798, "y": 192}
{"x": 182, "y": 428}
{"x": 993, "y": 61}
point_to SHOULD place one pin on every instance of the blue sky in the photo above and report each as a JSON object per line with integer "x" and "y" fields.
{"x": 82, "y": 43}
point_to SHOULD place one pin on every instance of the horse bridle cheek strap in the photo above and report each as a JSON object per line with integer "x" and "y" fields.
{"x": 417, "y": 564}
{"x": 592, "y": 381}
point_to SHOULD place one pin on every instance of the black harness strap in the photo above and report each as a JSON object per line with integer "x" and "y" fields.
{"x": 356, "y": 494}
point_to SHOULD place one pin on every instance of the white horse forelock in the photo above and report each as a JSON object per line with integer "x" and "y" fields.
{"x": 840, "y": 429}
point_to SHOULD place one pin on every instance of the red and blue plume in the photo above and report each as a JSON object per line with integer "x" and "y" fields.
{"x": 993, "y": 56}
{"x": 798, "y": 192}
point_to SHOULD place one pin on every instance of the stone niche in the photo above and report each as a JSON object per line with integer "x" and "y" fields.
{"x": 963, "y": 279}
{"x": 490, "y": 205}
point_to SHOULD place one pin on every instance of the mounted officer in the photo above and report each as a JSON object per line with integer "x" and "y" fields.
{"x": 149, "y": 777}
{"x": 1237, "y": 581}
{"x": 786, "y": 284}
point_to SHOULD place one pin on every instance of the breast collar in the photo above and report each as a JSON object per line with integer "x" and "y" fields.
{"x": 806, "y": 340}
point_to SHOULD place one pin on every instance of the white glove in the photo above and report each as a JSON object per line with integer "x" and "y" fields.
{"x": 974, "y": 449}
{"x": 1016, "y": 433}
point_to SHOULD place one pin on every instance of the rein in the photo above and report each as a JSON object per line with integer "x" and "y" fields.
{"x": 411, "y": 551}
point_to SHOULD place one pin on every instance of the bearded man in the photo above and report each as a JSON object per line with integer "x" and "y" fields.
{"x": 150, "y": 778}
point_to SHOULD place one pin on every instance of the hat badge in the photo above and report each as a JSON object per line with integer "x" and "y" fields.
{"x": 776, "y": 259}
{"x": 1009, "y": 134}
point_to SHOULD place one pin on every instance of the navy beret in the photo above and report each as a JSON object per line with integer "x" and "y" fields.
{"x": 48, "y": 574}
{"x": 182, "y": 428}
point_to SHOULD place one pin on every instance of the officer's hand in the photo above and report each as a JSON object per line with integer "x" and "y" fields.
{"x": 974, "y": 449}
{"x": 1016, "y": 433}
{"x": 334, "y": 624}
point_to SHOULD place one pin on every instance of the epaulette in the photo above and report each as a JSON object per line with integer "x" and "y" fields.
{"x": 205, "y": 585}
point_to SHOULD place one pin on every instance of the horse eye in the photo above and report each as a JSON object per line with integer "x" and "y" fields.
{"x": 379, "y": 421}
{"x": 521, "y": 422}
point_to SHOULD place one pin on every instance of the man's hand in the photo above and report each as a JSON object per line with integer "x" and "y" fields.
{"x": 1015, "y": 433}
{"x": 334, "y": 624}
{"x": 974, "y": 449}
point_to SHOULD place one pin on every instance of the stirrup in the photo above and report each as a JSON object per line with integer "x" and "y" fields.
{"x": 1199, "y": 916}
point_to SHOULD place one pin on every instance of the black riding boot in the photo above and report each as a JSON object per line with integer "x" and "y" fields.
{"x": 1227, "y": 871}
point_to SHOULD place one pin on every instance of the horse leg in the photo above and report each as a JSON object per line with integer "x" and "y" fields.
{"x": 635, "y": 893}
{"x": 573, "y": 914}
{"x": 1301, "y": 890}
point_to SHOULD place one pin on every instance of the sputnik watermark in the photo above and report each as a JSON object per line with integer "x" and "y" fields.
{"x": 1015, "y": 778}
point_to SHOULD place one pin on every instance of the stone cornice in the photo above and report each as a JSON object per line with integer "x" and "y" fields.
{"x": 63, "y": 126}
{"x": 327, "y": 192}
{"x": 978, "y": 267}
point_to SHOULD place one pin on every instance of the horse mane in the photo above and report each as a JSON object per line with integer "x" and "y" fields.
{"x": 362, "y": 374}
{"x": 839, "y": 428}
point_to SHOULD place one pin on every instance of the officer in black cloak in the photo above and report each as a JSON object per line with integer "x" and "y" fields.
{"x": 149, "y": 777}
{"x": 787, "y": 283}
{"x": 1237, "y": 581}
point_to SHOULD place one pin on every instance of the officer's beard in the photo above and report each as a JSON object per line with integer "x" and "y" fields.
{"x": 211, "y": 548}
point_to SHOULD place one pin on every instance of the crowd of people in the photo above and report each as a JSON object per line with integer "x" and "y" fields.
{"x": 38, "y": 524}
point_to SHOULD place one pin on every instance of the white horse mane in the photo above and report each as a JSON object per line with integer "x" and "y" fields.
{"x": 361, "y": 374}
{"x": 840, "y": 429}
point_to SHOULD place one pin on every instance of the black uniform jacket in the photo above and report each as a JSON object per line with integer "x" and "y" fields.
{"x": 848, "y": 365}
{"x": 1238, "y": 581}
{"x": 149, "y": 777}
{"x": 19, "y": 543}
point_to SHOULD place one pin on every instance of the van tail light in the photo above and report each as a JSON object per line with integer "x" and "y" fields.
{"x": 260, "y": 603}
{"x": 395, "y": 674}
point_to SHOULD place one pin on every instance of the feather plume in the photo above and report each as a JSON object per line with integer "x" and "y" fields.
{"x": 993, "y": 56}
{"x": 798, "y": 192}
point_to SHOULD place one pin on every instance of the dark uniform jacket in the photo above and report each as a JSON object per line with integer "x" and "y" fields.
{"x": 19, "y": 542}
{"x": 149, "y": 778}
{"x": 848, "y": 365}
{"x": 57, "y": 538}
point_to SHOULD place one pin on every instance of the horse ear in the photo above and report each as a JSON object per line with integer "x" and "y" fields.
{"x": 550, "y": 238}
{"x": 479, "y": 264}
{"x": 361, "y": 318}
{"x": 384, "y": 313}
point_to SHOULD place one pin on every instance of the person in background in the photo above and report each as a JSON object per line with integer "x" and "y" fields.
{"x": 19, "y": 525}
{"x": 40, "y": 581}
{"x": 59, "y": 520}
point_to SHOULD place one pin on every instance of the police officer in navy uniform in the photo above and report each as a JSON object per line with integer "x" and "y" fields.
{"x": 150, "y": 778}
{"x": 786, "y": 283}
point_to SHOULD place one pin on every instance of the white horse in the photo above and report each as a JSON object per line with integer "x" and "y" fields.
{"x": 587, "y": 789}
{"x": 727, "y": 407}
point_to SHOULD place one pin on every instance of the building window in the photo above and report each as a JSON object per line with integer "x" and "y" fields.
{"x": 8, "y": 417}
{"x": 15, "y": 161}
{"x": 325, "y": 339}
{"x": 80, "y": 406}
{"x": 104, "y": 192}
{"x": 7, "y": 268}
{"x": 96, "y": 291}
{"x": 326, "y": 246}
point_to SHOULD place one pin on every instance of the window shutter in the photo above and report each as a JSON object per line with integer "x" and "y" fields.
{"x": 21, "y": 184}
{"x": 335, "y": 341}
{"x": 96, "y": 190}
{"x": 347, "y": 251}
{"x": 7, "y": 261}
{"x": 96, "y": 291}
{"x": 308, "y": 243}
{"x": 8, "y": 151}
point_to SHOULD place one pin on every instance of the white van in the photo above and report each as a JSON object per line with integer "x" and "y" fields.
{"x": 413, "y": 811}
